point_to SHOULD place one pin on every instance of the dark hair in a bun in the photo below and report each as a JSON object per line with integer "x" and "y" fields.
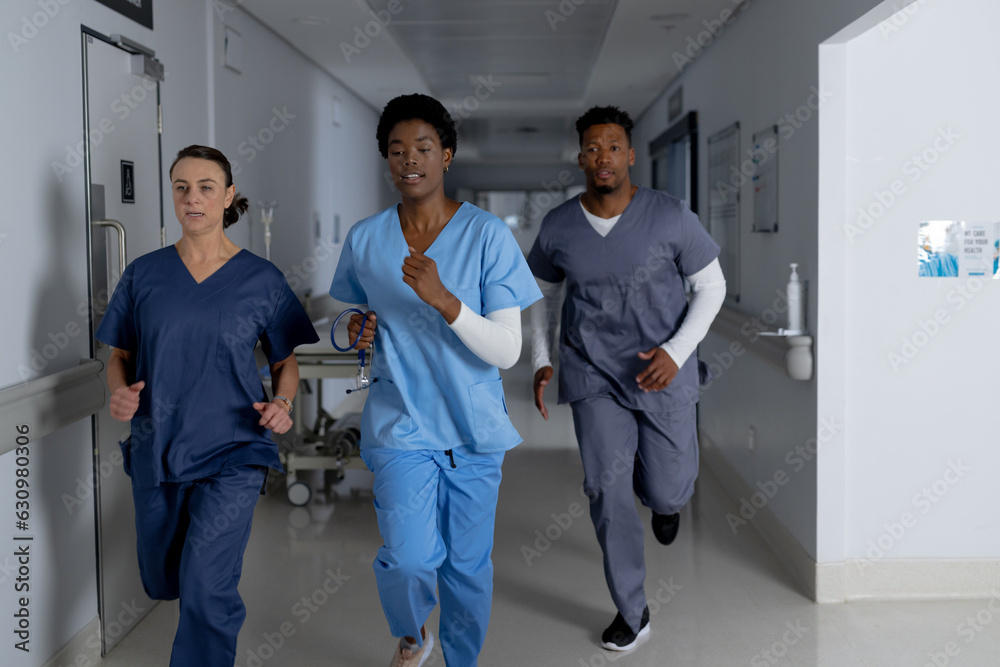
{"x": 240, "y": 203}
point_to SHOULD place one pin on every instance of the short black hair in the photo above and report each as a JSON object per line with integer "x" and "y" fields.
{"x": 416, "y": 107}
{"x": 605, "y": 116}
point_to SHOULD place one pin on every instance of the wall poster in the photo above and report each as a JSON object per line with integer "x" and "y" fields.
{"x": 950, "y": 248}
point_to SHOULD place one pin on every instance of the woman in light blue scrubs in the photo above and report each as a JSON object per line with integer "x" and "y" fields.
{"x": 183, "y": 323}
{"x": 447, "y": 282}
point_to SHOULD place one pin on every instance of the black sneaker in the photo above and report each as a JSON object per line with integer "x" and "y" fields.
{"x": 665, "y": 527}
{"x": 619, "y": 636}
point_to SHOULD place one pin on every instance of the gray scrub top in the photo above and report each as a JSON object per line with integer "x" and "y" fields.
{"x": 624, "y": 295}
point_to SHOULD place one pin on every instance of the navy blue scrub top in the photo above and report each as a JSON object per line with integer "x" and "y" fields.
{"x": 194, "y": 348}
{"x": 624, "y": 295}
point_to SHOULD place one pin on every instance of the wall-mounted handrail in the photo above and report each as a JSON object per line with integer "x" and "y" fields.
{"x": 48, "y": 403}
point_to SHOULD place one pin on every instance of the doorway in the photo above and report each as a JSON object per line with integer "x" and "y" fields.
{"x": 124, "y": 210}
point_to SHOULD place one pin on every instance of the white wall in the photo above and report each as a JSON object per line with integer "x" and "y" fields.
{"x": 761, "y": 68}
{"x": 310, "y": 167}
{"x": 906, "y": 84}
{"x": 43, "y": 265}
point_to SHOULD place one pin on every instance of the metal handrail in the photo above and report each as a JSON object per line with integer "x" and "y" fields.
{"x": 120, "y": 228}
{"x": 42, "y": 406}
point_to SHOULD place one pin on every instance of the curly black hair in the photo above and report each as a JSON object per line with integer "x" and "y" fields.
{"x": 416, "y": 107}
{"x": 605, "y": 116}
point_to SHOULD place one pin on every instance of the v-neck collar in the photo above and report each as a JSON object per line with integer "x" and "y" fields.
{"x": 207, "y": 279}
{"x": 617, "y": 233}
{"x": 444, "y": 227}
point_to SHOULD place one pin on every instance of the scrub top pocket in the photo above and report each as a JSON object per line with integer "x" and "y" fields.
{"x": 493, "y": 430}
{"x": 237, "y": 338}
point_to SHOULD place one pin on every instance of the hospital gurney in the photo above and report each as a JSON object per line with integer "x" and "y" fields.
{"x": 330, "y": 444}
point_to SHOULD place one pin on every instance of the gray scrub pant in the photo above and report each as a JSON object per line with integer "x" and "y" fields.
{"x": 628, "y": 453}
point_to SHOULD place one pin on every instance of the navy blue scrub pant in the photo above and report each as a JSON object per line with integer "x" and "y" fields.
{"x": 191, "y": 537}
{"x": 627, "y": 454}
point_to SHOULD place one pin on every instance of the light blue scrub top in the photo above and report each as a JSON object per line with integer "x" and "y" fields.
{"x": 432, "y": 391}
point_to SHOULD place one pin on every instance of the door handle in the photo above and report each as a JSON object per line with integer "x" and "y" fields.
{"x": 120, "y": 228}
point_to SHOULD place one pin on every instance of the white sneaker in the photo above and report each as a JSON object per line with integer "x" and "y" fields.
{"x": 404, "y": 657}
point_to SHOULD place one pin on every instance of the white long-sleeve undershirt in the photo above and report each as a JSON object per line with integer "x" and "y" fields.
{"x": 708, "y": 291}
{"x": 495, "y": 338}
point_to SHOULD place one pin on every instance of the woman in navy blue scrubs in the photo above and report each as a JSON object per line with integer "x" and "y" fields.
{"x": 183, "y": 323}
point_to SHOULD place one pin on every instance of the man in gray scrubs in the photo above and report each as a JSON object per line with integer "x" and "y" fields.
{"x": 625, "y": 356}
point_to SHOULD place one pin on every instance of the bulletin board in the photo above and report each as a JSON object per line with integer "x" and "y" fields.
{"x": 765, "y": 180}
{"x": 724, "y": 203}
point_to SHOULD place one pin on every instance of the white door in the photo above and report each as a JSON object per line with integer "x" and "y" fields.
{"x": 124, "y": 201}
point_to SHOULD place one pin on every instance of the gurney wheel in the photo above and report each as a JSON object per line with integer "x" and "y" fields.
{"x": 299, "y": 494}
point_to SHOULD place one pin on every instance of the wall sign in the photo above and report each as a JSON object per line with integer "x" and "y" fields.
{"x": 140, "y": 11}
{"x": 958, "y": 249}
{"x": 128, "y": 182}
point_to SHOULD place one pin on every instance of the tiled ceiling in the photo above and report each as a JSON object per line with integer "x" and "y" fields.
{"x": 515, "y": 73}
{"x": 529, "y": 54}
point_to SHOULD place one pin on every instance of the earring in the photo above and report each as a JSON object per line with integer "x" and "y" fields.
{"x": 446, "y": 170}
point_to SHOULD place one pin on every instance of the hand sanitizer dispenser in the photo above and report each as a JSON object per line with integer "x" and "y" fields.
{"x": 796, "y": 318}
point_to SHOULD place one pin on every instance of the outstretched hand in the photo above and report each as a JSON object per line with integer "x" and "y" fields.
{"x": 658, "y": 374}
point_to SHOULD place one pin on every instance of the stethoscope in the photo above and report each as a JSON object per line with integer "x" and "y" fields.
{"x": 363, "y": 379}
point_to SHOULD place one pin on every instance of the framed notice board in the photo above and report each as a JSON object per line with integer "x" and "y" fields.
{"x": 725, "y": 178}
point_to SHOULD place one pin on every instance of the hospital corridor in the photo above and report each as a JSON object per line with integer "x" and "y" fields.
{"x": 509, "y": 332}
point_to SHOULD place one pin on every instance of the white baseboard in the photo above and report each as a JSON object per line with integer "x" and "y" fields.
{"x": 876, "y": 579}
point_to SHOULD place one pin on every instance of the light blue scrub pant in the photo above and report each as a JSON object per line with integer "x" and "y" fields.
{"x": 191, "y": 537}
{"x": 436, "y": 514}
